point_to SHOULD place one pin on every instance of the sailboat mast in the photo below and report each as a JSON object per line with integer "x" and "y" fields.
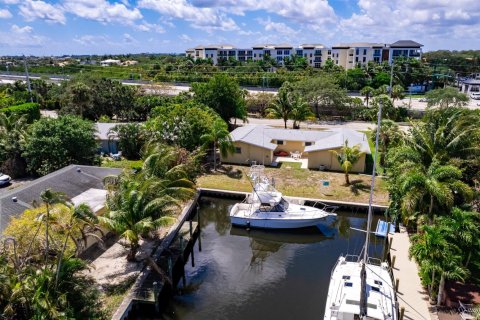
{"x": 372, "y": 186}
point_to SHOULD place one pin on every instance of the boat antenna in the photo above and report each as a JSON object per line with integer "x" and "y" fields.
{"x": 363, "y": 272}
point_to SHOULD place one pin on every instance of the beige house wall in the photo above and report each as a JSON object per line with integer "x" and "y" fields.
{"x": 290, "y": 146}
{"x": 249, "y": 153}
{"x": 328, "y": 159}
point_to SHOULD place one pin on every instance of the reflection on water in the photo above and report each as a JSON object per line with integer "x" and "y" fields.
{"x": 263, "y": 274}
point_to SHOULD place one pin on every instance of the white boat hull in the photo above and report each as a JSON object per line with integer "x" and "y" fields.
{"x": 296, "y": 217}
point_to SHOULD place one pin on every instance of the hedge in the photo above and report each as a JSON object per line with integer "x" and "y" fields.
{"x": 31, "y": 109}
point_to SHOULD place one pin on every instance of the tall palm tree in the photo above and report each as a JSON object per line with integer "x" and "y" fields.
{"x": 300, "y": 112}
{"x": 431, "y": 188}
{"x": 221, "y": 139}
{"x": 347, "y": 157}
{"x": 282, "y": 106}
{"x": 450, "y": 269}
{"x": 367, "y": 92}
{"x": 50, "y": 198}
{"x": 398, "y": 92}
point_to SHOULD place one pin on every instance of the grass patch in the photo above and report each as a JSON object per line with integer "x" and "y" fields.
{"x": 302, "y": 183}
{"x": 124, "y": 164}
{"x": 290, "y": 165}
{"x": 113, "y": 295}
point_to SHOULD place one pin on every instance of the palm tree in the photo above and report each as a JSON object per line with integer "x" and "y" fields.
{"x": 432, "y": 187}
{"x": 300, "y": 112}
{"x": 450, "y": 269}
{"x": 463, "y": 229}
{"x": 367, "y": 92}
{"x": 135, "y": 210}
{"x": 50, "y": 198}
{"x": 347, "y": 157}
{"x": 398, "y": 92}
{"x": 282, "y": 106}
{"x": 220, "y": 137}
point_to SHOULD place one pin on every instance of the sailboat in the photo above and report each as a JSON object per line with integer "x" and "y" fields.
{"x": 361, "y": 287}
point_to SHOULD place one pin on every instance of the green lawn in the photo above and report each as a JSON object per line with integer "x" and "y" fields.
{"x": 125, "y": 164}
{"x": 300, "y": 183}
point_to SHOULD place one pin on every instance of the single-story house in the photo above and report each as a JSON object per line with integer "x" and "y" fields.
{"x": 109, "y": 62}
{"x": 108, "y": 142}
{"x": 80, "y": 184}
{"x": 263, "y": 143}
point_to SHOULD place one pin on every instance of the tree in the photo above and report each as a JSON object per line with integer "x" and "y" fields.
{"x": 131, "y": 138}
{"x": 49, "y": 198}
{"x": 13, "y": 133}
{"x": 398, "y": 92}
{"x": 55, "y": 143}
{"x": 434, "y": 187}
{"x": 389, "y": 111}
{"x": 282, "y": 106}
{"x": 223, "y": 94}
{"x": 447, "y": 97}
{"x": 181, "y": 124}
{"x": 367, "y": 92}
{"x": 390, "y": 135}
{"x": 301, "y": 111}
{"x": 347, "y": 157}
{"x": 220, "y": 137}
{"x": 322, "y": 92}
{"x": 259, "y": 102}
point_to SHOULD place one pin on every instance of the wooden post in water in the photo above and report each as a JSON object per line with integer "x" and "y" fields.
{"x": 199, "y": 230}
{"x": 393, "y": 261}
{"x": 397, "y": 284}
{"x": 402, "y": 312}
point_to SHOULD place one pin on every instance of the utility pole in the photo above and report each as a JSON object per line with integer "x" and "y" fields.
{"x": 28, "y": 78}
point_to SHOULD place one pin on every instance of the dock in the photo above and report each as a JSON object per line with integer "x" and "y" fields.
{"x": 411, "y": 294}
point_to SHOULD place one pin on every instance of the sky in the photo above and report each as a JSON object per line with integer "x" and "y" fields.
{"x": 64, "y": 27}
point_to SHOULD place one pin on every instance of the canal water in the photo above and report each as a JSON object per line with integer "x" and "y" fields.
{"x": 263, "y": 274}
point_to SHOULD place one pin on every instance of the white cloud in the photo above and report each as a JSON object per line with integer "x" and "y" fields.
{"x": 127, "y": 38}
{"x": 277, "y": 27}
{"x": 32, "y": 10}
{"x": 102, "y": 11}
{"x": 10, "y": 1}
{"x": 21, "y": 37}
{"x": 5, "y": 14}
{"x": 145, "y": 26}
{"x": 207, "y": 19}
{"x": 92, "y": 40}
{"x": 185, "y": 38}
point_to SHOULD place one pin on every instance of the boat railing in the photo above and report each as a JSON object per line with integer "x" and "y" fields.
{"x": 325, "y": 206}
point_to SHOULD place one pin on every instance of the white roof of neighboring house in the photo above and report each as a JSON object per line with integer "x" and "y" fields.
{"x": 110, "y": 61}
{"x": 94, "y": 198}
{"x": 262, "y": 136}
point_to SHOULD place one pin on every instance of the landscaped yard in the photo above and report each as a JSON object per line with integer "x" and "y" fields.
{"x": 300, "y": 183}
{"x": 125, "y": 164}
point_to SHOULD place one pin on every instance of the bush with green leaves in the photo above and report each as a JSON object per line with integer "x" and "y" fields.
{"x": 55, "y": 143}
{"x": 131, "y": 138}
{"x": 30, "y": 109}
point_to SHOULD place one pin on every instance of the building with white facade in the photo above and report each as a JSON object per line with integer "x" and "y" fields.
{"x": 347, "y": 55}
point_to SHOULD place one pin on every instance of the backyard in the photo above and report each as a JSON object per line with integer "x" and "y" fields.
{"x": 293, "y": 181}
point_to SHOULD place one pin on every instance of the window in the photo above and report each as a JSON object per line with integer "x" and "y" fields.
{"x": 308, "y": 143}
{"x": 286, "y": 52}
{"x": 356, "y": 59}
{"x": 336, "y": 61}
{"x": 317, "y": 65}
{"x": 364, "y": 59}
{"x": 279, "y": 52}
{"x": 254, "y": 55}
{"x": 280, "y": 142}
{"x": 376, "y": 59}
{"x": 249, "y": 53}
{"x": 329, "y": 51}
{"x": 364, "y": 52}
{"x": 299, "y": 52}
{"x": 238, "y": 150}
{"x": 376, "y": 52}
{"x": 357, "y": 51}
{"x": 279, "y": 59}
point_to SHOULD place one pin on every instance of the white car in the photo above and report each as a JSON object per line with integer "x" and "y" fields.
{"x": 4, "y": 179}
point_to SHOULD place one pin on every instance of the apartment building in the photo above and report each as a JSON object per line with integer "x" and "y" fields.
{"x": 346, "y": 55}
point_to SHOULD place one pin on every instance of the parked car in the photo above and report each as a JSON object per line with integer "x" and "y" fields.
{"x": 4, "y": 179}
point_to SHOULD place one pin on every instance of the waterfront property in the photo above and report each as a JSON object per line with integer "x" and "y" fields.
{"x": 80, "y": 184}
{"x": 267, "y": 145}
{"x": 347, "y": 55}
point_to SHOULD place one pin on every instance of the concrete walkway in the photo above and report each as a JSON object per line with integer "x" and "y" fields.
{"x": 411, "y": 294}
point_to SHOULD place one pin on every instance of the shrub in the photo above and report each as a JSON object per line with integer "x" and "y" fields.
{"x": 31, "y": 109}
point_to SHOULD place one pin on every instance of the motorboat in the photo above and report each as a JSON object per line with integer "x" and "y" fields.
{"x": 361, "y": 287}
{"x": 266, "y": 208}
